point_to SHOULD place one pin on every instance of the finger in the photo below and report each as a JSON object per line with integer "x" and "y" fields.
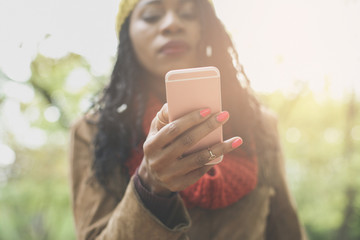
{"x": 221, "y": 149}
{"x": 162, "y": 117}
{"x": 174, "y": 129}
{"x": 155, "y": 123}
{"x": 203, "y": 157}
{"x": 160, "y": 123}
{"x": 190, "y": 138}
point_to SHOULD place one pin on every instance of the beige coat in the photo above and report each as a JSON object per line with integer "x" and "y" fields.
{"x": 268, "y": 212}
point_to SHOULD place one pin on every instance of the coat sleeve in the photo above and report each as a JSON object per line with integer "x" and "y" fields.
{"x": 98, "y": 215}
{"x": 283, "y": 222}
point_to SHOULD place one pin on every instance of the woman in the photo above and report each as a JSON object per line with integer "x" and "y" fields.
{"x": 130, "y": 179}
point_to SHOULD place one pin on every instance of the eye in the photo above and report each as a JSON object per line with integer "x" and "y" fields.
{"x": 187, "y": 11}
{"x": 187, "y": 15}
{"x": 151, "y": 15}
{"x": 151, "y": 18}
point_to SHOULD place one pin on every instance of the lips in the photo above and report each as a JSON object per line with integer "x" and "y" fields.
{"x": 174, "y": 48}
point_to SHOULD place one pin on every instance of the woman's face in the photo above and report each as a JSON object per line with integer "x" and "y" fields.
{"x": 165, "y": 35}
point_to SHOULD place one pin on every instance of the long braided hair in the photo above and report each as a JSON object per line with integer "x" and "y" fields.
{"x": 123, "y": 103}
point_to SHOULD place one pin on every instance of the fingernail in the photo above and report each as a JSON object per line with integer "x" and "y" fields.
{"x": 205, "y": 112}
{"x": 237, "y": 143}
{"x": 222, "y": 116}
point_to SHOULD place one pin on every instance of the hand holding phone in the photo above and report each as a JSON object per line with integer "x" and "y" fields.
{"x": 191, "y": 89}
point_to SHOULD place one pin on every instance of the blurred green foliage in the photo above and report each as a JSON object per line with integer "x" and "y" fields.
{"x": 320, "y": 137}
{"x": 321, "y": 166}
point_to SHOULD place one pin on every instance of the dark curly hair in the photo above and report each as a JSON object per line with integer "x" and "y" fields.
{"x": 120, "y": 131}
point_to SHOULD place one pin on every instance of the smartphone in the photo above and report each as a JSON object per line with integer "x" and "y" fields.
{"x": 192, "y": 89}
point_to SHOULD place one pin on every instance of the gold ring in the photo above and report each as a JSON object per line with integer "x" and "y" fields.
{"x": 157, "y": 116}
{"x": 212, "y": 155}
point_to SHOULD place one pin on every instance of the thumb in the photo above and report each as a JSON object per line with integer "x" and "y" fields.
{"x": 160, "y": 120}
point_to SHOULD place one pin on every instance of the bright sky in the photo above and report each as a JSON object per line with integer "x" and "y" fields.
{"x": 279, "y": 42}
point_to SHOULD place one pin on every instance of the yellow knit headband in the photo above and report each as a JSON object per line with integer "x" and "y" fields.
{"x": 125, "y": 8}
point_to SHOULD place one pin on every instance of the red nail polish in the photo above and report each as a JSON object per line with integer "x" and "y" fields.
{"x": 222, "y": 116}
{"x": 205, "y": 112}
{"x": 236, "y": 143}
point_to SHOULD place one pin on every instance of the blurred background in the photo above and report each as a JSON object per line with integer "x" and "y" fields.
{"x": 303, "y": 58}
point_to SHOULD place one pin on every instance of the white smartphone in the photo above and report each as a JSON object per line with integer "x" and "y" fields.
{"x": 192, "y": 89}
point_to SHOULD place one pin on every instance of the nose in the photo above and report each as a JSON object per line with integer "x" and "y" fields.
{"x": 171, "y": 24}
